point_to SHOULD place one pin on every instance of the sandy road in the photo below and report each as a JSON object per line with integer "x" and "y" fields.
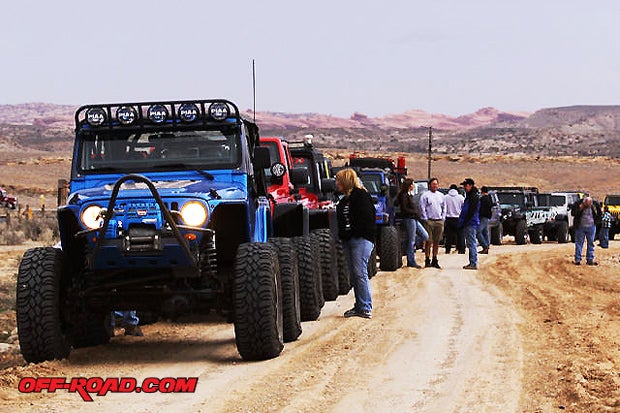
{"x": 440, "y": 341}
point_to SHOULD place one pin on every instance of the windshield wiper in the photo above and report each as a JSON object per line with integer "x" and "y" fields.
{"x": 181, "y": 165}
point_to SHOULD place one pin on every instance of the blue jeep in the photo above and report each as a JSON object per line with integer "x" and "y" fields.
{"x": 168, "y": 213}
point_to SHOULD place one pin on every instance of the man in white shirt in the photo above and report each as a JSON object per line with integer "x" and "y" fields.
{"x": 433, "y": 214}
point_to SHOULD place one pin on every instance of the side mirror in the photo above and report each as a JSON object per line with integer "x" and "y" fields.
{"x": 299, "y": 175}
{"x": 328, "y": 185}
{"x": 262, "y": 157}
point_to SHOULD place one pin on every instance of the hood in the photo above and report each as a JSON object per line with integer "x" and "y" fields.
{"x": 453, "y": 192}
{"x": 231, "y": 188}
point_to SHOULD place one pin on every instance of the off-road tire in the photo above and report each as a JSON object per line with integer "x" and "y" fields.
{"x": 372, "y": 263}
{"x": 257, "y": 302}
{"x": 41, "y": 331}
{"x": 535, "y": 236}
{"x": 289, "y": 274}
{"x": 329, "y": 263}
{"x": 562, "y": 233}
{"x": 521, "y": 233}
{"x": 344, "y": 273}
{"x": 497, "y": 233}
{"x": 390, "y": 258}
{"x": 310, "y": 281}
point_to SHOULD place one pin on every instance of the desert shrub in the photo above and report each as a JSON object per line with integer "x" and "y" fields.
{"x": 40, "y": 229}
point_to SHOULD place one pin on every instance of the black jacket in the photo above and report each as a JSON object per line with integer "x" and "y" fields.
{"x": 356, "y": 216}
{"x": 578, "y": 212}
{"x": 408, "y": 208}
{"x": 486, "y": 206}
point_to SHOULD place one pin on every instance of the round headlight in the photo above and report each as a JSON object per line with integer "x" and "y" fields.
{"x": 188, "y": 112}
{"x": 91, "y": 217}
{"x": 194, "y": 214}
{"x": 126, "y": 115}
{"x": 158, "y": 113}
{"x": 95, "y": 116}
{"x": 219, "y": 111}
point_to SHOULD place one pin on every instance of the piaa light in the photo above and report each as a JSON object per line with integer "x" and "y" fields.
{"x": 126, "y": 115}
{"x": 219, "y": 111}
{"x": 188, "y": 112}
{"x": 194, "y": 214}
{"x": 95, "y": 116}
{"x": 157, "y": 113}
{"x": 91, "y": 216}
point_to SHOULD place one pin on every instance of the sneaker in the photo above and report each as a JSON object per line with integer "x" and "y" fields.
{"x": 591, "y": 263}
{"x": 427, "y": 262}
{"x": 484, "y": 251}
{"x": 470, "y": 267}
{"x": 435, "y": 263}
{"x": 577, "y": 262}
{"x": 132, "y": 330}
{"x": 354, "y": 313}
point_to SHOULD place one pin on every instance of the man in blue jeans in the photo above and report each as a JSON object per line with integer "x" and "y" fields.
{"x": 469, "y": 221}
{"x": 586, "y": 214}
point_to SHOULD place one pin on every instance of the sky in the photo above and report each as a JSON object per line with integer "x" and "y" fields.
{"x": 322, "y": 56}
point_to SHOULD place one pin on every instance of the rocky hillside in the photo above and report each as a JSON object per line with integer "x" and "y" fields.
{"x": 576, "y": 130}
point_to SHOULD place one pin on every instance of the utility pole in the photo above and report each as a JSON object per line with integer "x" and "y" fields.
{"x": 430, "y": 149}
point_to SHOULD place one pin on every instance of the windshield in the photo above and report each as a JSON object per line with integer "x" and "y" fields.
{"x": 512, "y": 199}
{"x": 612, "y": 200}
{"x": 558, "y": 200}
{"x": 161, "y": 150}
{"x": 372, "y": 183}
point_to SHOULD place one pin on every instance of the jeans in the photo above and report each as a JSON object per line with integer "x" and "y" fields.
{"x": 357, "y": 251}
{"x": 421, "y": 230}
{"x": 410, "y": 227}
{"x": 587, "y": 233}
{"x": 483, "y": 232}
{"x": 603, "y": 238}
{"x": 472, "y": 244}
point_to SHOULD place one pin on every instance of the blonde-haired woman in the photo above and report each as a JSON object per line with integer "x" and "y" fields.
{"x": 356, "y": 229}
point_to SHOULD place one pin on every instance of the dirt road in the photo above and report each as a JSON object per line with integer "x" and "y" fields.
{"x": 445, "y": 340}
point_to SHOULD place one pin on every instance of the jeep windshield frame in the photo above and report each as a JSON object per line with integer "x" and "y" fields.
{"x": 134, "y": 151}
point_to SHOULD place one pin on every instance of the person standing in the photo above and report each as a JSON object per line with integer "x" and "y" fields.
{"x": 409, "y": 214}
{"x": 454, "y": 204}
{"x": 469, "y": 221}
{"x": 586, "y": 213}
{"x": 486, "y": 210}
{"x": 433, "y": 213}
{"x": 603, "y": 238}
{"x": 356, "y": 228}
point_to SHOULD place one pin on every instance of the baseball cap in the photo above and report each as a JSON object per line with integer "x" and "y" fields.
{"x": 468, "y": 181}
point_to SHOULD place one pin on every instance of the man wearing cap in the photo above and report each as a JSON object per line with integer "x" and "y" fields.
{"x": 469, "y": 221}
{"x": 433, "y": 213}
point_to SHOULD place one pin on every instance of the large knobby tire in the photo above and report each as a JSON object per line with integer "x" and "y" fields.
{"x": 289, "y": 274}
{"x": 535, "y": 235}
{"x": 258, "y": 302}
{"x": 562, "y": 232}
{"x": 372, "y": 263}
{"x": 521, "y": 233}
{"x": 497, "y": 233}
{"x": 390, "y": 258}
{"x": 344, "y": 273}
{"x": 310, "y": 280}
{"x": 41, "y": 331}
{"x": 329, "y": 264}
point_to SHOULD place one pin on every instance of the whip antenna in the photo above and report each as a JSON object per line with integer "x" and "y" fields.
{"x": 254, "y": 88}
